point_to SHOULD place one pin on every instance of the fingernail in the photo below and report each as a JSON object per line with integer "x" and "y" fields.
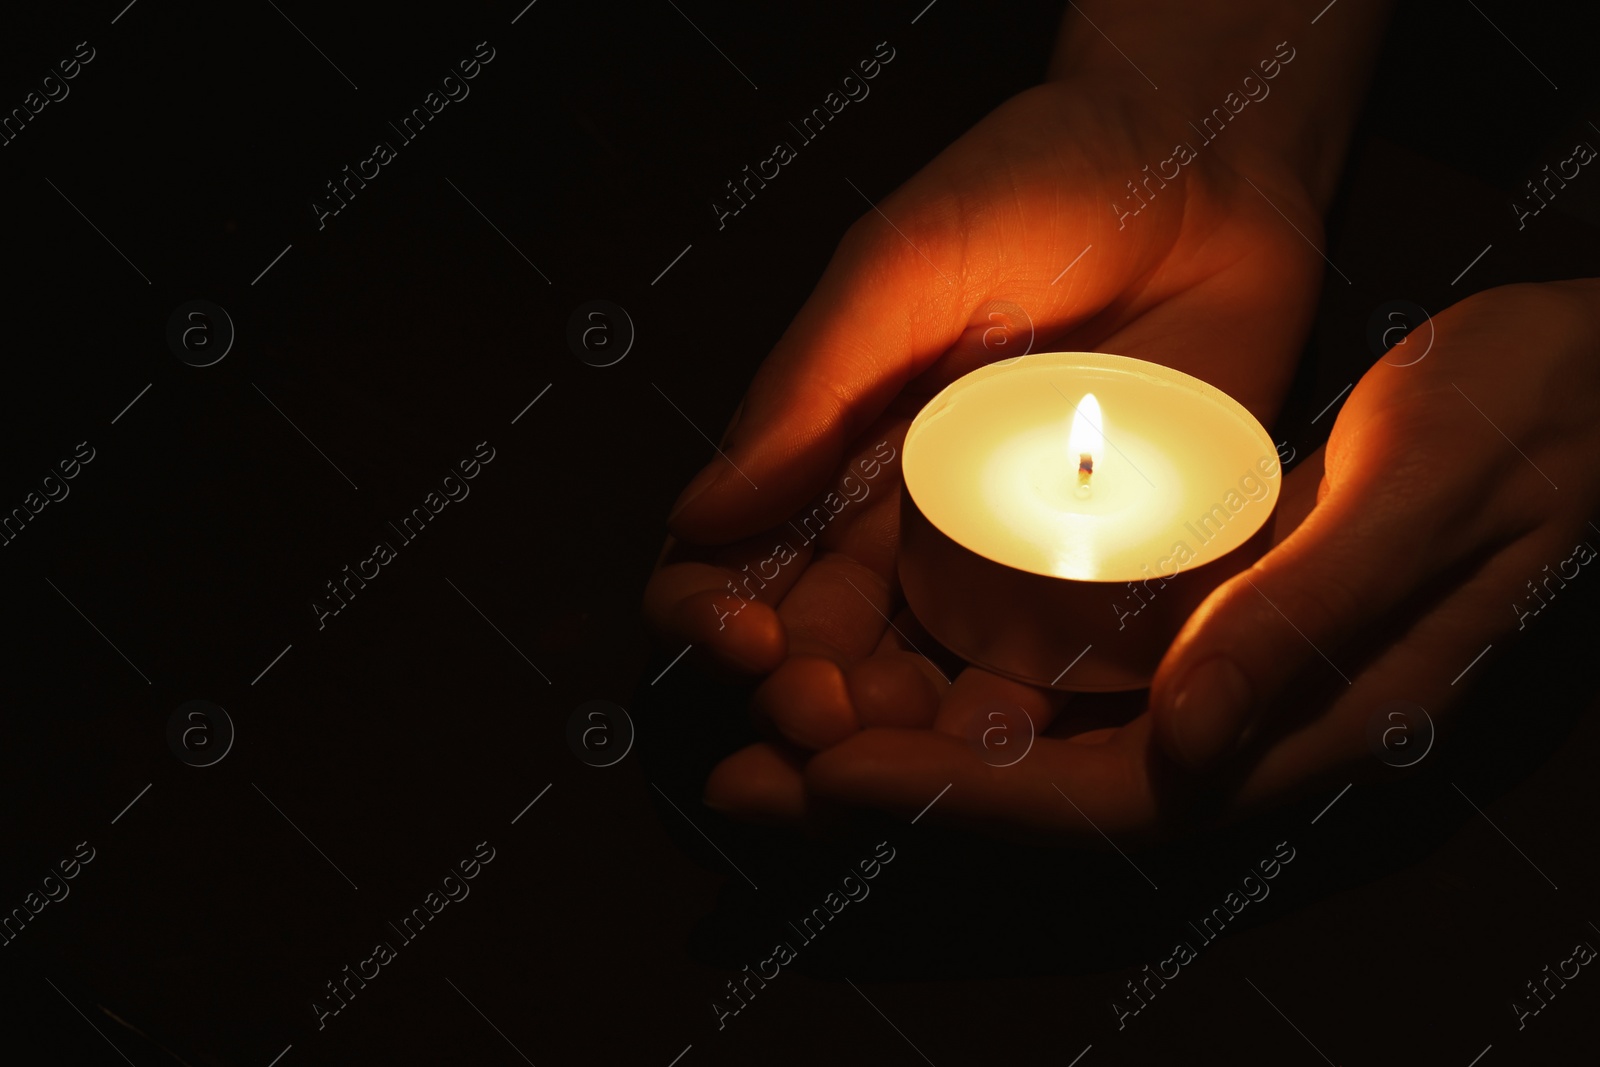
{"x": 747, "y": 646}
{"x": 1210, "y": 712}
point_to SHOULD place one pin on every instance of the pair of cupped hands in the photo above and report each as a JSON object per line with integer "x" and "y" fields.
{"x": 1458, "y": 467}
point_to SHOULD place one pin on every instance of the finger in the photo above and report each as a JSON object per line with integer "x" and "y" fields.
{"x": 744, "y": 636}
{"x": 1298, "y": 495}
{"x": 807, "y": 700}
{"x": 753, "y": 569}
{"x": 1091, "y": 793}
{"x": 999, "y": 717}
{"x": 832, "y": 606}
{"x": 898, "y": 685}
{"x": 724, "y": 602}
{"x": 839, "y": 606}
{"x": 835, "y": 614}
{"x": 894, "y": 686}
{"x": 833, "y": 619}
{"x": 760, "y": 783}
{"x": 1390, "y": 524}
{"x": 1388, "y": 721}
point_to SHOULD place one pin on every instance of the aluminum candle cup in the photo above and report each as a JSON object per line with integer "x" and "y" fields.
{"x": 1064, "y": 513}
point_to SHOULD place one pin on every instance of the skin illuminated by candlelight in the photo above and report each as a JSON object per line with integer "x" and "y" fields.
{"x": 1415, "y": 526}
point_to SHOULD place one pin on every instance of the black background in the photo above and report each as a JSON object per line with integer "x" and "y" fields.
{"x": 408, "y": 729}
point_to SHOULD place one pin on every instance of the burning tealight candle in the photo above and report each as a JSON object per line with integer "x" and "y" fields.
{"x": 1064, "y": 513}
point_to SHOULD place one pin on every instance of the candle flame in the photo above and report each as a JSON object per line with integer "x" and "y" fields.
{"x": 1087, "y": 441}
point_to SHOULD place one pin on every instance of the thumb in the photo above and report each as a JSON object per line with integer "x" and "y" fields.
{"x": 1293, "y": 623}
{"x": 897, "y": 296}
{"x": 878, "y": 315}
